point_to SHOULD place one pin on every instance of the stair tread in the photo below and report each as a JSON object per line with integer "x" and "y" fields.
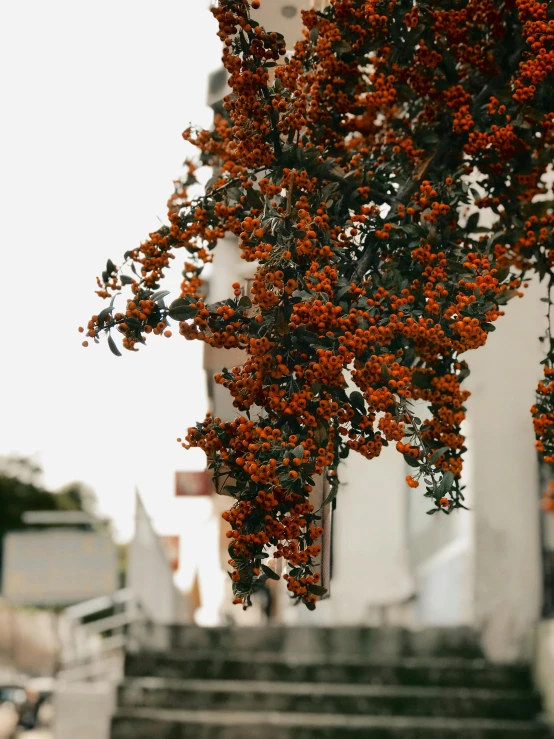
{"x": 323, "y": 688}
{"x": 315, "y": 720}
{"x": 476, "y": 663}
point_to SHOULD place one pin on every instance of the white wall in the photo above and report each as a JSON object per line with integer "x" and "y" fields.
{"x": 83, "y": 710}
{"x": 505, "y": 479}
{"x": 150, "y": 576}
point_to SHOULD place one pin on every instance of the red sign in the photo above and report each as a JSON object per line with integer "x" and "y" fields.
{"x": 192, "y": 483}
{"x": 171, "y": 549}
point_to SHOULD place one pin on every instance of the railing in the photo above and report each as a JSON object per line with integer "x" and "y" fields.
{"x": 93, "y": 644}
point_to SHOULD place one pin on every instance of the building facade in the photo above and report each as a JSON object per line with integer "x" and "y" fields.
{"x": 392, "y": 563}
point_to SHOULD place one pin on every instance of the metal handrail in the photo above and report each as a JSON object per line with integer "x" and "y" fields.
{"x": 92, "y": 645}
{"x": 101, "y": 603}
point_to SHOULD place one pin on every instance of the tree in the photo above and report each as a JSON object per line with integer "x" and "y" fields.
{"x": 355, "y": 173}
{"x": 21, "y": 491}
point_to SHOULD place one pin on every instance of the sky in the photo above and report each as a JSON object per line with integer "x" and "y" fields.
{"x": 95, "y": 97}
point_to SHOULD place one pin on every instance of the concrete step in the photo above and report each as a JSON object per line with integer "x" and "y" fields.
{"x": 338, "y": 668}
{"x": 377, "y": 643}
{"x": 328, "y": 698}
{"x": 144, "y": 723}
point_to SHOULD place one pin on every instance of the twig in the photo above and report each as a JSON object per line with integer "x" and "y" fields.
{"x": 289, "y": 194}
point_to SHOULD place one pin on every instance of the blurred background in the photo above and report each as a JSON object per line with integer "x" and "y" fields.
{"x": 106, "y": 523}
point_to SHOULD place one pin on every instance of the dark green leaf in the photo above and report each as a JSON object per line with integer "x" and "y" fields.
{"x": 463, "y": 373}
{"x": 457, "y": 267}
{"x": 438, "y": 453}
{"x": 253, "y": 198}
{"x": 104, "y": 314}
{"x": 342, "y": 47}
{"x": 332, "y": 495}
{"x": 180, "y": 310}
{"x": 472, "y": 222}
{"x": 357, "y": 401}
{"x": 410, "y": 460}
{"x": 113, "y": 346}
{"x": 420, "y": 379}
{"x": 320, "y": 434}
{"x": 446, "y": 482}
{"x": 126, "y": 280}
{"x": 269, "y": 572}
{"x": 317, "y": 589}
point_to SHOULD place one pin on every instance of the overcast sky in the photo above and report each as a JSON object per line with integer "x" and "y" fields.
{"x": 94, "y": 99}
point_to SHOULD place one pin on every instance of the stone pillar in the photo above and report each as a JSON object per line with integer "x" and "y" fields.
{"x": 507, "y": 577}
{"x": 371, "y": 571}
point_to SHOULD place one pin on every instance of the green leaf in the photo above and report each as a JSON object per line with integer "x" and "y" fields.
{"x": 180, "y": 310}
{"x": 438, "y": 453}
{"x": 244, "y": 45}
{"x": 457, "y": 267}
{"x": 110, "y": 266}
{"x": 331, "y": 497}
{"x": 357, "y": 401}
{"x": 253, "y": 198}
{"x": 245, "y": 302}
{"x": 410, "y": 460}
{"x": 472, "y": 222}
{"x": 420, "y": 379}
{"x": 463, "y": 373}
{"x": 270, "y": 573}
{"x": 298, "y": 451}
{"x": 159, "y": 295}
{"x": 126, "y": 280}
{"x": 446, "y": 482}
{"x": 489, "y": 327}
{"x": 317, "y": 589}
{"x": 310, "y": 606}
{"x": 113, "y": 346}
{"x": 385, "y": 371}
{"x": 320, "y": 434}
{"x": 341, "y": 47}
{"x": 326, "y": 193}
{"x": 104, "y": 314}
{"x": 211, "y": 182}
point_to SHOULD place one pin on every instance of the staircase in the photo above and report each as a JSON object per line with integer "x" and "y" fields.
{"x": 318, "y": 683}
